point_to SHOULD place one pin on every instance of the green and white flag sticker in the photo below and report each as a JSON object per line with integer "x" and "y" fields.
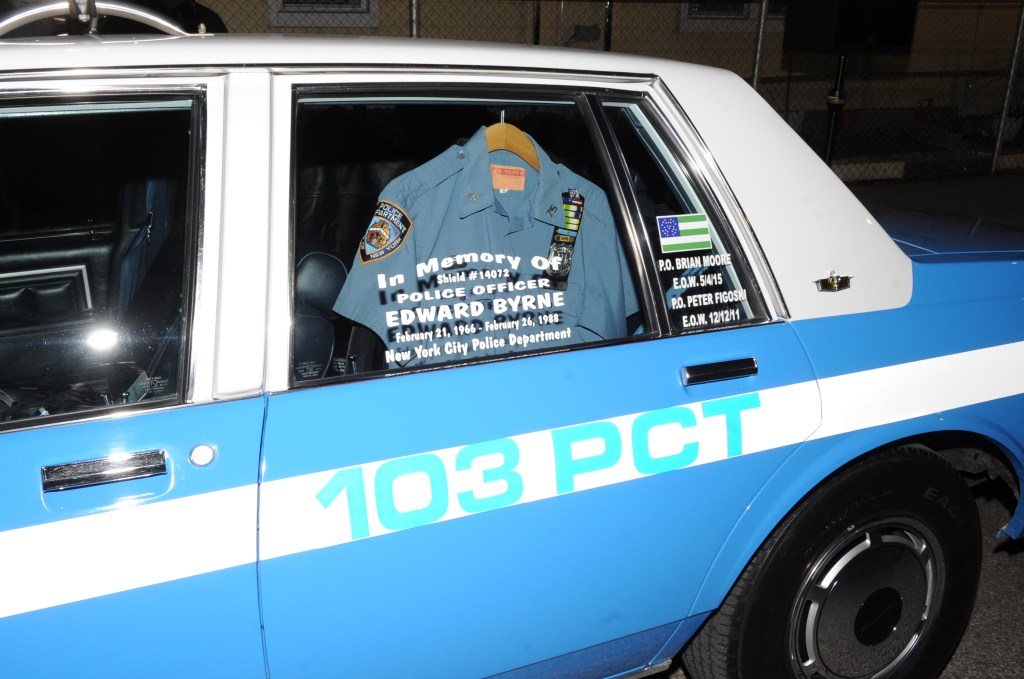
{"x": 684, "y": 233}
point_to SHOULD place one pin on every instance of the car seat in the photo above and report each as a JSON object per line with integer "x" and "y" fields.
{"x": 318, "y": 280}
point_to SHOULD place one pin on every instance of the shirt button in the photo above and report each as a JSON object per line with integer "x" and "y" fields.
{"x": 461, "y": 154}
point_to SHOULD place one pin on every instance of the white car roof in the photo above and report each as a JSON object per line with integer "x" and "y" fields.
{"x": 105, "y": 51}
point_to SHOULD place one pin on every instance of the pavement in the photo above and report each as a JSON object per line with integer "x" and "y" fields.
{"x": 991, "y": 646}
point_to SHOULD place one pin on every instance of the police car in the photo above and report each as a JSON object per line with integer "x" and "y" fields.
{"x": 341, "y": 357}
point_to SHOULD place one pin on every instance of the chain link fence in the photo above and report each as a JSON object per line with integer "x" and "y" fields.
{"x": 935, "y": 112}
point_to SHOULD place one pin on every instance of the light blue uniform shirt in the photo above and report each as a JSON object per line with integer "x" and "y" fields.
{"x": 453, "y": 268}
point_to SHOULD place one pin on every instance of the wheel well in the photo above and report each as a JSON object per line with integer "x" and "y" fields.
{"x": 906, "y": 484}
{"x": 977, "y": 458}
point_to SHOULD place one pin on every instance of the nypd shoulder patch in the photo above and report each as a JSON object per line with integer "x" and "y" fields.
{"x": 387, "y": 231}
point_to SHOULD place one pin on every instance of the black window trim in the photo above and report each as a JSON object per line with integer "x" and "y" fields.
{"x": 625, "y": 201}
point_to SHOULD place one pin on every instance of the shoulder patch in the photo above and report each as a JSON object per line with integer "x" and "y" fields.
{"x": 387, "y": 231}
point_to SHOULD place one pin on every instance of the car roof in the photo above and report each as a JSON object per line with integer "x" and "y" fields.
{"x": 153, "y": 51}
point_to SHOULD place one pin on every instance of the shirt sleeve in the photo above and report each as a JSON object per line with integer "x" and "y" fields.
{"x": 384, "y": 267}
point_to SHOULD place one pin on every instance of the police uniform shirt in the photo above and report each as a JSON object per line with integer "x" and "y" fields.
{"x": 445, "y": 249}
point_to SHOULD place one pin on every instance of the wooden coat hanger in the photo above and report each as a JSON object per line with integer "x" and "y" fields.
{"x": 508, "y": 137}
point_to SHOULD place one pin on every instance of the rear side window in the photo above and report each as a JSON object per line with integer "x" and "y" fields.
{"x": 436, "y": 229}
{"x": 95, "y": 216}
{"x": 704, "y": 277}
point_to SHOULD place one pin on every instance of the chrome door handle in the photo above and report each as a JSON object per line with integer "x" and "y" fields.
{"x": 117, "y": 467}
{"x": 722, "y": 370}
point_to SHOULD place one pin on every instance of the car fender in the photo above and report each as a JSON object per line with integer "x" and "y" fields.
{"x": 817, "y": 459}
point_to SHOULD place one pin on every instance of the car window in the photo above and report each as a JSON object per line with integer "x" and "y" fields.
{"x": 94, "y": 222}
{"x": 703, "y": 274}
{"x": 435, "y": 229}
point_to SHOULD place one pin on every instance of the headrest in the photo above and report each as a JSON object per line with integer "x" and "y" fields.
{"x": 318, "y": 280}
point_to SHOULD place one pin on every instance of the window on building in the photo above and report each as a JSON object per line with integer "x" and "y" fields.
{"x": 739, "y": 9}
{"x": 728, "y": 16}
{"x": 324, "y": 13}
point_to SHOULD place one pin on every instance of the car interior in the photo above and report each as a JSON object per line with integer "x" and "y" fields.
{"x": 93, "y": 217}
{"x": 347, "y": 150}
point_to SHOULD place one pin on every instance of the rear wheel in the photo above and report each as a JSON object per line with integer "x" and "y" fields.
{"x": 872, "y": 576}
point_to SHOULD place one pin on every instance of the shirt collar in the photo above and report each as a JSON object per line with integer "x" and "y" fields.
{"x": 475, "y": 185}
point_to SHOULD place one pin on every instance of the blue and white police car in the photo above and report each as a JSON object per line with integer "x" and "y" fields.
{"x": 338, "y": 357}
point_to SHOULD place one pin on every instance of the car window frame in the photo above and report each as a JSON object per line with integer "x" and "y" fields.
{"x": 706, "y": 181}
{"x": 664, "y": 109}
{"x": 580, "y": 98}
{"x": 123, "y": 90}
{"x": 712, "y": 186}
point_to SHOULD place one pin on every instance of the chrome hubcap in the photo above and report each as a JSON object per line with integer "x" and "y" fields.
{"x": 864, "y": 604}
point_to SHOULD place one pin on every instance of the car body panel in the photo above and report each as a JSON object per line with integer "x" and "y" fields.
{"x": 93, "y": 559}
{"x": 807, "y": 222}
{"x": 921, "y": 233}
{"x": 901, "y": 389}
{"x": 478, "y": 568}
{"x": 845, "y": 440}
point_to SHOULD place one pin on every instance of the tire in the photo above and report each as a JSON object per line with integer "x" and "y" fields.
{"x": 872, "y": 575}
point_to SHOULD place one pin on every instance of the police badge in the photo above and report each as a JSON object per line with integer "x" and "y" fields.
{"x": 559, "y": 260}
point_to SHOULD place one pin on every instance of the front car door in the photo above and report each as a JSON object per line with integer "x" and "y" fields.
{"x": 127, "y": 494}
{"x": 525, "y": 382}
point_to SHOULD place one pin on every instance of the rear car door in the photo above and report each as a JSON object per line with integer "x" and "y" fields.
{"x": 520, "y": 445}
{"x": 127, "y": 494}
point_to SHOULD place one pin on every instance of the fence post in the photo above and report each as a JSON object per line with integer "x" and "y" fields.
{"x": 414, "y": 19}
{"x": 760, "y": 42}
{"x": 1009, "y": 89}
{"x": 536, "y": 22}
{"x": 608, "y": 26}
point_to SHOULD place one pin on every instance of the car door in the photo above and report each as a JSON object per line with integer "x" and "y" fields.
{"x": 478, "y": 493}
{"x": 127, "y": 493}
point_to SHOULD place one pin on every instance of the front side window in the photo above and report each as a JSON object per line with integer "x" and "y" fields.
{"x": 430, "y": 230}
{"x": 94, "y": 223}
